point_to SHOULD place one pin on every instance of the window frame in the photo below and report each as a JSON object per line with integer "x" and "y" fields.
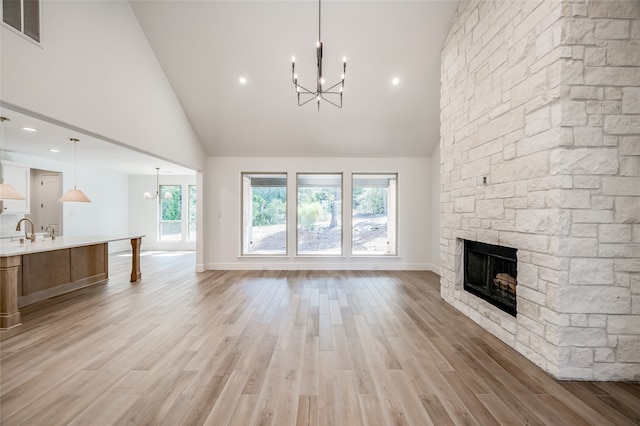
{"x": 242, "y": 215}
{"x": 21, "y": 31}
{"x": 341, "y": 217}
{"x": 395, "y": 206}
{"x": 195, "y": 219}
{"x": 182, "y": 216}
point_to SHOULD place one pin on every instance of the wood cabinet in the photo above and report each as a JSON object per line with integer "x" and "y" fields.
{"x": 30, "y": 272}
{"x": 50, "y": 273}
{"x": 18, "y": 176}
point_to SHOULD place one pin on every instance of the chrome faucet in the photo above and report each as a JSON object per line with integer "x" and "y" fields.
{"x": 26, "y": 235}
{"x": 52, "y": 234}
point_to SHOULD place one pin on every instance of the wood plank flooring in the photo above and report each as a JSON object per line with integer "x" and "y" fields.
{"x": 277, "y": 348}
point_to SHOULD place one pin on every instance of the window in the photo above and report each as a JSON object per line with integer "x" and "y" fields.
{"x": 170, "y": 213}
{"x": 374, "y": 223}
{"x": 23, "y": 15}
{"x": 264, "y": 213}
{"x": 191, "y": 234}
{"x": 319, "y": 214}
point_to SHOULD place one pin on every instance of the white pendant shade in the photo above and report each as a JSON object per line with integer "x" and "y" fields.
{"x": 74, "y": 196}
{"x": 8, "y": 192}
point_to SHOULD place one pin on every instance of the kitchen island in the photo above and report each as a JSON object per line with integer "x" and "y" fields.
{"x": 34, "y": 271}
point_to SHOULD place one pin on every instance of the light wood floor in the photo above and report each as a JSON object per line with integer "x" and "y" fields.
{"x": 280, "y": 348}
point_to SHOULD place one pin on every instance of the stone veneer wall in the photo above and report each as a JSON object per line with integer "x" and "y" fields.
{"x": 543, "y": 99}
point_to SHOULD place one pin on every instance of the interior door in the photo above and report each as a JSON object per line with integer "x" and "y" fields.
{"x": 49, "y": 205}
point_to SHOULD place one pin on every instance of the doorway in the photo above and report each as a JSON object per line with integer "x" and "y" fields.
{"x": 45, "y": 208}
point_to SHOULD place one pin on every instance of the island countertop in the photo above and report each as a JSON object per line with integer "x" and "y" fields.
{"x": 34, "y": 271}
{"x": 15, "y": 248}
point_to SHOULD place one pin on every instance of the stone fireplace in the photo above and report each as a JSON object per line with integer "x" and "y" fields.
{"x": 540, "y": 152}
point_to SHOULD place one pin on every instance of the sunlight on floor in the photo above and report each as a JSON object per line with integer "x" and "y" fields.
{"x": 156, "y": 253}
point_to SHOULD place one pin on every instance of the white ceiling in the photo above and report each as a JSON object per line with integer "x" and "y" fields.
{"x": 205, "y": 46}
{"x": 92, "y": 151}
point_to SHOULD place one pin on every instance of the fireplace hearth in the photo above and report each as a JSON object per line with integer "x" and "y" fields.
{"x": 490, "y": 272}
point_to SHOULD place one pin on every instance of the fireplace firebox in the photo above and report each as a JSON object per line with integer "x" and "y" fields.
{"x": 490, "y": 272}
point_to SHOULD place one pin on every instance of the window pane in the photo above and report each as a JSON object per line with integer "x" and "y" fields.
{"x": 171, "y": 213}
{"x": 264, "y": 213}
{"x": 191, "y": 234}
{"x": 320, "y": 214}
{"x": 32, "y": 19}
{"x": 11, "y": 14}
{"x": 374, "y": 214}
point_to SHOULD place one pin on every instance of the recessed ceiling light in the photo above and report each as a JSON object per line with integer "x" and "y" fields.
{"x": 242, "y": 80}
{"x": 395, "y": 81}
{"x": 54, "y": 150}
{"x": 29, "y": 129}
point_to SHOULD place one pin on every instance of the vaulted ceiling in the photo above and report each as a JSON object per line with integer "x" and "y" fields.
{"x": 204, "y": 48}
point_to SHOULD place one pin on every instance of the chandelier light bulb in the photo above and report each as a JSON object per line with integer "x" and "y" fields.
{"x": 293, "y": 59}
{"x": 344, "y": 59}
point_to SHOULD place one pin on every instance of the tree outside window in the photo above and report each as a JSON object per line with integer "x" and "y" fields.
{"x": 319, "y": 214}
{"x": 373, "y": 214}
{"x": 170, "y": 213}
{"x": 264, "y": 214}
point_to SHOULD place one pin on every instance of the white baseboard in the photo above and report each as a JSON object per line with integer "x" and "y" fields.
{"x": 314, "y": 266}
{"x": 433, "y": 268}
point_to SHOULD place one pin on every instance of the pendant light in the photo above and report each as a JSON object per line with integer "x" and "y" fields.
{"x": 74, "y": 195}
{"x": 167, "y": 195}
{"x": 7, "y": 191}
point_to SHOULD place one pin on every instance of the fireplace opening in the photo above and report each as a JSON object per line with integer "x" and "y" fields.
{"x": 490, "y": 272}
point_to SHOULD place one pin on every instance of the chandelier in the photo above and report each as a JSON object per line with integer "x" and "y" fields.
{"x": 333, "y": 94}
{"x": 148, "y": 196}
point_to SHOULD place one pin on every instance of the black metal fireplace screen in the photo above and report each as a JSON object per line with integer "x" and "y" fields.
{"x": 490, "y": 272}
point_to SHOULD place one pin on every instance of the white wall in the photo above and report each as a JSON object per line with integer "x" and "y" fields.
{"x": 95, "y": 71}
{"x": 107, "y": 214}
{"x": 222, "y": 218}
{"x": 435, "y": 211}
{"x": 143, "y": 213}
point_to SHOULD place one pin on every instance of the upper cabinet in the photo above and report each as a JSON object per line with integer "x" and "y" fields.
{"x": 18, "y": 176}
